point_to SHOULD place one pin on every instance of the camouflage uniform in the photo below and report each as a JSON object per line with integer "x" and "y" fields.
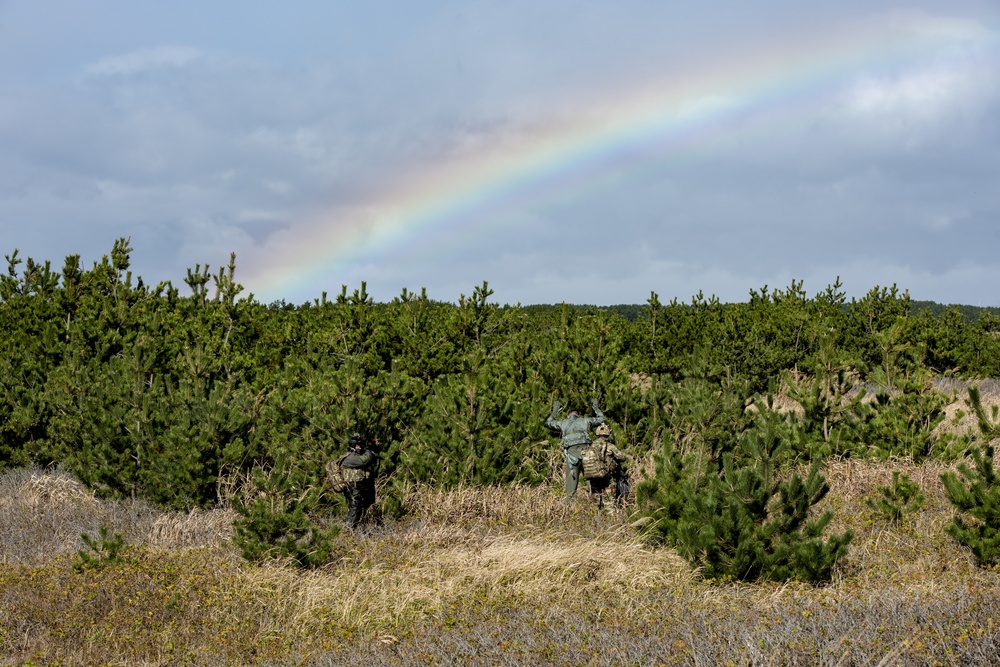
{"x": 358, "y": 468}
{"x": 605, "y": 442}
{"x": 575, "y": 432}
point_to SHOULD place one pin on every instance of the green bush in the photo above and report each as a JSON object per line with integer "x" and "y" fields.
{"x": 103, "y": 550}
{"x": 898, "y": 500}
{"x": 977, "y": 495}
{"x": 281, "y": 520}
{"x": 736, "y": 513}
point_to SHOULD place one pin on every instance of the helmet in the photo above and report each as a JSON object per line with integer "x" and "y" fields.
{"x": 355, "y": 441}
{"x": 603, "y": 429}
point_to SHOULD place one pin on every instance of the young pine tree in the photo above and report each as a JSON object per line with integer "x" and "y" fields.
{"x": 902, "y": 498}
{"x": 739, "y": 516}
{"x": 977, "y": 495}
{"x": 279, "y": 521}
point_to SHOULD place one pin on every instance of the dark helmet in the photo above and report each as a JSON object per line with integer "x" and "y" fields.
{"x": 355, "y": 441}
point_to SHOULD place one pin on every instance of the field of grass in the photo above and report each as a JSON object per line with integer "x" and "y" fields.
{"x": 478, "y": 577}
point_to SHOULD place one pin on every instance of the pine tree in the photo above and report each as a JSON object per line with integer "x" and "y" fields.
{"x": 903, "y": 423}
{"x": 739, "y": 516}
{"x": 760, "y": 338}
{"x": 477, "y": 426}
{"x": 279, "y": 521}
{"x": 977, "y": 495}
{"x": 827, "y": 394}
{"x": 903, "y": 497}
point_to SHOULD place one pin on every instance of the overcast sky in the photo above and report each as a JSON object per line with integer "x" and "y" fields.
{"x": 562, "y": 150}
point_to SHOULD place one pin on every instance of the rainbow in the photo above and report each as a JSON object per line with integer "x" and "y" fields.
{"x": 623, "y": 131}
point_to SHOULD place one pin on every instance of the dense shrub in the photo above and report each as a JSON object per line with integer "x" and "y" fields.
{"x": 734, "y": 510}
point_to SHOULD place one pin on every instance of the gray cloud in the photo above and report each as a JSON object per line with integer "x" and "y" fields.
{"x": 196, "y": 139}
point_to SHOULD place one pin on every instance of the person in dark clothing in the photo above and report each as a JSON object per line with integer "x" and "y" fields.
{"x": 575, "y": 432}
{"x": 359, "y": 469}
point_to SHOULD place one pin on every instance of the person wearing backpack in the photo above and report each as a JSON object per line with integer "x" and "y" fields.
{"x": 358, "y": 469}
{"x": 575, "y": 433}
{"x": 613, "y": 460}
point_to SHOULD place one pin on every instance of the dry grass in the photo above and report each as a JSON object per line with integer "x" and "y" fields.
{"x": 916, "y": 550}
{"x": 426, "y": 573}
{"x": 480, "y": 576}
{"x": 43, "y": 513}
{"x": 197, "y": 528}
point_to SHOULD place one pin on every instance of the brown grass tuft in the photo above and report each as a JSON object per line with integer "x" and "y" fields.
{"x": 195, "y": 529}
{"x": 51, "y": 489}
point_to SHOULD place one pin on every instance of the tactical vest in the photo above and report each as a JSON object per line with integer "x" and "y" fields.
{"x": 338, "y": 477}
{"x": 355, "y": 474}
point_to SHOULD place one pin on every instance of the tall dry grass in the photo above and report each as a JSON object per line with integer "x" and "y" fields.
{"x": 44, "y": 513}
{"x": 479, "y": 576}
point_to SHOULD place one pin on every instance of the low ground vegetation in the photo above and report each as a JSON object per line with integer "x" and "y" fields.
{"x": 481, "y": 575}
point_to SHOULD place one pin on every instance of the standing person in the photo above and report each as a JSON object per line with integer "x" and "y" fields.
{"x": 575, "y": 432}
{"x": 358, "y": 467}
{"x": 615, "y": 458}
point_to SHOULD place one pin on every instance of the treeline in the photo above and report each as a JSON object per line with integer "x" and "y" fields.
{"x": 971, "y": 313}
{"x": 633, "y": 312}
{"x": 142, "y": 391}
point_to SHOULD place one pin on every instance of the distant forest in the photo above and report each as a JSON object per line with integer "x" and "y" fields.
{"x": 633, "y": 312}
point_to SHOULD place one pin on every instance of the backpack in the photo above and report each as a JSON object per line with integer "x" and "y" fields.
{"x": 595, "y": 463}
{"x": 335, "y": 475}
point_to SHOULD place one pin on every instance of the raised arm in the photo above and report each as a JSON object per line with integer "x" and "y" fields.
{"x": 598, "y": 417}
{"x": 552, "y": 422}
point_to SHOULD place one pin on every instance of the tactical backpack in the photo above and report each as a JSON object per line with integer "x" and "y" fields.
{"x": 595, "y": 462}
{"x": 335, "y": 475}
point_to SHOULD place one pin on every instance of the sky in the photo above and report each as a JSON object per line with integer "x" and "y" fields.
{"x": 561, "y": 150}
